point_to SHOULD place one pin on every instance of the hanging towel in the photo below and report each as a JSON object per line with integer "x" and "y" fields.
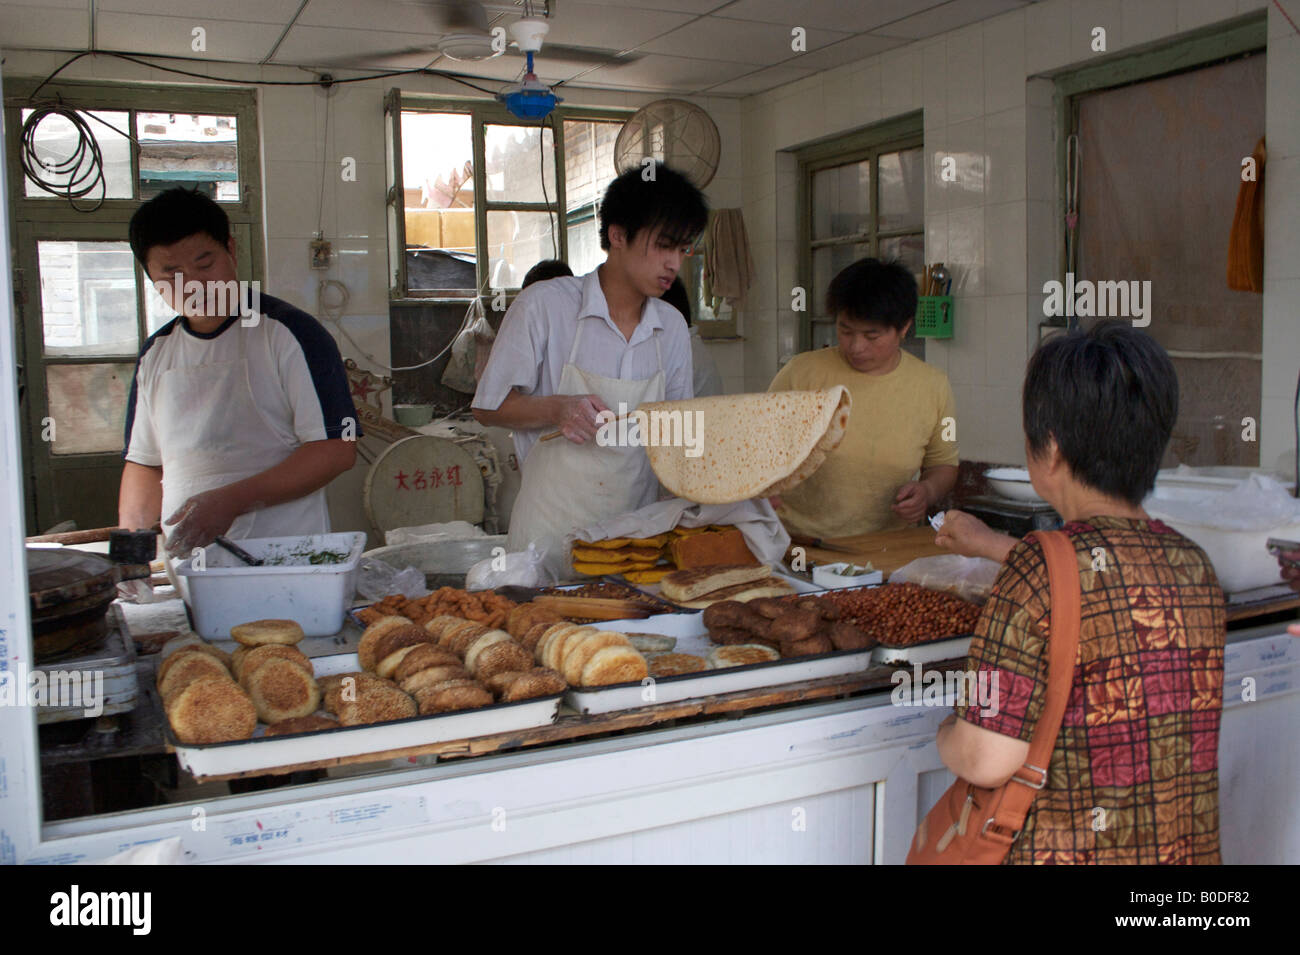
{"x": 728, "y": 269}
{"x": 1246, "y": 242}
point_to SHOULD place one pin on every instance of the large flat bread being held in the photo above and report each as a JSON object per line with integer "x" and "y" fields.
{"x": 751, "y": 445}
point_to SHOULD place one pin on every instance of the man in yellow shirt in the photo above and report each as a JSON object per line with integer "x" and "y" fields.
{"x": 903, "y": 419}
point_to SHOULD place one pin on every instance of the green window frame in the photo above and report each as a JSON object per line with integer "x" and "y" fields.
{"x": 864, "y": 145}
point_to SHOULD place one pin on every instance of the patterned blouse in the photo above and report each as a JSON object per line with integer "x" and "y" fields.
{"x": 1134, "y": 775}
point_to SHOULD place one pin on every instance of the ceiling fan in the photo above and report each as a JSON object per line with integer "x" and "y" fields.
{"x": 473, "y": 31}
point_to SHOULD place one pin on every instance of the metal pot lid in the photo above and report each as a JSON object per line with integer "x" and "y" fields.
{"x": 61, "y": 574}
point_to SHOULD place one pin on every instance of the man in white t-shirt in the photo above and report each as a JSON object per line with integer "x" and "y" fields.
{"x": 572, "y": 348}
{"x": 240, "y": 411}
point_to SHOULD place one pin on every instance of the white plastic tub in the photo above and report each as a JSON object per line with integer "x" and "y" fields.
{"x": 226, "y": 592}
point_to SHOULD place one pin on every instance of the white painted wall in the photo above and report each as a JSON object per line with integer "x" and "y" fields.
{"x": 980, "y": 107}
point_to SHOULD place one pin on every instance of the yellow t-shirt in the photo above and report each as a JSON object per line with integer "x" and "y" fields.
{"x": 896, "y": 428}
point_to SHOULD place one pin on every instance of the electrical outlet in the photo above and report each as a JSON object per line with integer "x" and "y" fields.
{"x": 321, "y": 253}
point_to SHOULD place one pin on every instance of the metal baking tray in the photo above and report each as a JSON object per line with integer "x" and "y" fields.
{"x": 692, "y": 637}
{"x": 260, "y": 752}
{"x": 950, "y": 648}
{"x": 113, "y": 663}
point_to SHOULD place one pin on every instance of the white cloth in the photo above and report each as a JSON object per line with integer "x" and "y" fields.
{"x": 565, "y": 484}
{"x": 756, "y": 519}
{"x": 707, "y": 381}
{"x": 538, "y": 333}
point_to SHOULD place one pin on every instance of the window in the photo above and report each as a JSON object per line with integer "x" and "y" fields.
{"x": 862, "y": 195}
{"x": 482, "y": 193}
{"x": 85, "y": 306}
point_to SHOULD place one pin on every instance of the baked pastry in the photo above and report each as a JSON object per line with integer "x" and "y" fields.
{"x": 768, "y": 587}
{"x": 728, "y": 636}
{"x": 421, "y": 657}
{"x": 613, "y": 664}
{"x": 188, "y": 667}
{"x": 502, "y": 656}
{"x": 741, "y": 655}
{"x": 375, "y": 703}
{"x": 211, "y": 709}
{"x": 534, "y": 636}
{"x": 165, "y": 666}
{"x": 802, "y": 648}
{"x": 302, "y": 724}
{"x": 651, "y": 642}
{"x": 442, "y": 698}
{"x": 695, "y": 583}
{"x": 366, "y": 648}
{"x": 536, "y": 682}
{"x": 711, "y": 549}
{"x": 387, "y": 667}
{"x": 254, "y": 657}
{"x": 845, "y": 636}
{"x": 795, "y": 624}
{"x": 498, "y": 683}
{"x": 671, "y": 664}
{"x": 281, "y": 690}
{"x": 433, "y": 675}
{"x": 769, "y": 607}
{"x": 480, "y": 643}
{"x": 257, "y": 632}
{"x": 437, "y": 624}
{"x": 551, "y": 650}
{"x": 339, "y": 688}
{"x": 459, "y": 638}
{"x": 186, "y": 639}
{"x": 578, "y": 651}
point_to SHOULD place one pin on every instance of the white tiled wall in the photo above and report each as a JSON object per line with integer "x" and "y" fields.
{"x": 996, "y": 226}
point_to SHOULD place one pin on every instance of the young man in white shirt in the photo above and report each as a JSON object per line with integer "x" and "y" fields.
{"x": 240, "y": 411}
{"x": 573, "y": 347}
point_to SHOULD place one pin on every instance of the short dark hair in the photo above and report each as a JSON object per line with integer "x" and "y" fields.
{"x": 1109, "y": 396}
{"x": 870, "y": 290}
{"x": 667, "y": 202}
{"x": 677, "y": 297}
{"x": 173, "y": 215}
{"x": 546, "y": 269}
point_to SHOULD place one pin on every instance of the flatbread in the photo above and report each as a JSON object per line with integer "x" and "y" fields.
{"x": 599, "y": 570}
{"x": 751, "y": 445}
{"x": 620, "y": 556}
{"x": 651, "y": 576}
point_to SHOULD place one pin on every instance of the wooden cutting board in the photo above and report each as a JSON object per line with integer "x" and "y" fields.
{"x": 886, "y": 550}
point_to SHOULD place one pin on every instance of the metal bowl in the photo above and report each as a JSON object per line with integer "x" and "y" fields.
{"x": 444, "y": 563}
{"x": 1012, "y": 483}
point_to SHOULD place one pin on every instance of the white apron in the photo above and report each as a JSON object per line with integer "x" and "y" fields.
{"x": 567, "y": 485}
{"x": 212, "y": 433}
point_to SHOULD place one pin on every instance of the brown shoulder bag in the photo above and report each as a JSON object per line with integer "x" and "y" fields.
{"x": 974, "y": 826}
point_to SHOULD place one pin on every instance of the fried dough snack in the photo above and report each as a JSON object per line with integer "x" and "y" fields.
{"x": 485, "y": 607}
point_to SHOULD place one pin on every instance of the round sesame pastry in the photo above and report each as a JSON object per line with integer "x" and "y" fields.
{"x": 578, "y": 651}
{"x": 536, "y": 682}
{"x": 257, "y": 632}
{"x": 555, "y": 646}
{"x": 339, "y": 688}
{"x": 165, "y": 666}
{"x": 256, "y": 656}
{"x": 534, "y": 636}
{"x": 614, "y": 664}
{"x": 281, "y": 690}
{"x": 418, "y": 681}
{"x": 461, "y": 637}
{"x": 502, "y": 656}
{"x": 498, "y": 683}
{"x": 186, "y": 668}
{"x": 438, "y": 624}
{"x": 211, "y": 710}
{"x": 366, "y": 648}
{"x": 388, "y": 649}
{"x": 481, "y": 643}
{"x": 376, "y": 703}
{"x": 441, "y": 698}
{"x": 421, "y": 657}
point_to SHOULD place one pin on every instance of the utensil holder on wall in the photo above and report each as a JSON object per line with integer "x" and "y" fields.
{"x": 934, "y": 316}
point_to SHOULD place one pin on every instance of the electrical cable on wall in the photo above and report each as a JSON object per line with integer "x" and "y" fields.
{"x": 78, "y": 174}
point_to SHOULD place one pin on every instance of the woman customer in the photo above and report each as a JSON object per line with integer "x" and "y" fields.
{"x": 1133, "y": 777}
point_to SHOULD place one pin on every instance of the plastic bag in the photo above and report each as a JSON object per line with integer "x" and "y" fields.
{"x": 970, "y": 578}
{"x": 525, "y": 568}
{"x": 377, "y": 580}
{"x": 464, "y": 367}
{"x": 431, "y": 533}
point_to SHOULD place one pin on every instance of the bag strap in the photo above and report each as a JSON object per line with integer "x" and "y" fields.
{"x": 1062, "y": 651}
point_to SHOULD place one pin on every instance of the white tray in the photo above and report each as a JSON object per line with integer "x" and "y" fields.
{"x": 692, "y": 637}
{"x": 238, "y": 756}
{"x": 953, "y": 648}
